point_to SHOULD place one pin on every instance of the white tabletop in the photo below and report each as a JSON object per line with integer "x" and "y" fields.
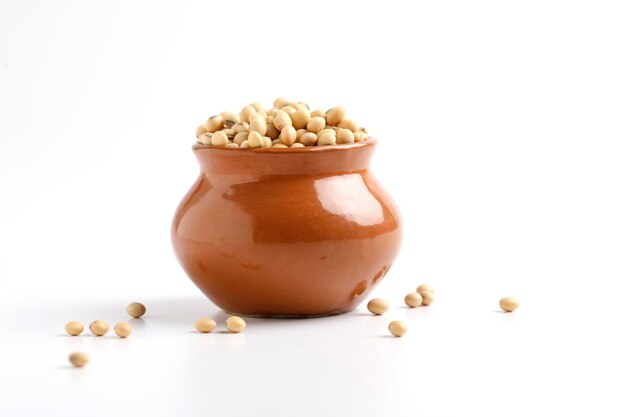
{"x": 460, "y": 355}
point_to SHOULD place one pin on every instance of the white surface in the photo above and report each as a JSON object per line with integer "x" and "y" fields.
{"x": 502, "y": 138}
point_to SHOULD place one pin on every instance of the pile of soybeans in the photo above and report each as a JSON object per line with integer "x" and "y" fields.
{"x": 286, "y": 125}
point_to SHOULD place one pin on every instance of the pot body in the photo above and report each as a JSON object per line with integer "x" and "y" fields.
{"x": 286, "y": 232}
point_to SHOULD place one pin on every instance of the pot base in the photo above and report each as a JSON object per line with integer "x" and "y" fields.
{"x": 289, "y": 316}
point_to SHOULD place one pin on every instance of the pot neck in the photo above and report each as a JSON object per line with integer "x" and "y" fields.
{"x": 296, "y": 161}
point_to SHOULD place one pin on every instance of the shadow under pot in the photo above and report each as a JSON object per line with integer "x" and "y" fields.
{"x": 297, "y": 232}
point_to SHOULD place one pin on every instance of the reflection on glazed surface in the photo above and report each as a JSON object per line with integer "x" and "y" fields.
{"x": 286, "y": 244}
{"x": 347, "y": 196}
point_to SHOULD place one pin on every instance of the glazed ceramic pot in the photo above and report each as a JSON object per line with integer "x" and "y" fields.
{"x": 295, "y": 232}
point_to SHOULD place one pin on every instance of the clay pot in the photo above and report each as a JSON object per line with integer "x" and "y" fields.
{"x": 286, "y": 232}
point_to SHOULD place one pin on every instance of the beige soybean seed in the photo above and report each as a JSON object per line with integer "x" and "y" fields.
{"x": 280, "y": 102}
{"x": 219, "y": 138}
{"x": 319, "y": 113}
{"x": 235, "y": 324}
{"x": 288, "y": 135}
{"x": 299, "y": 133}
{"x": 348, "y": 124}
{"x": 303, "y": 105}
{"x": 255, "y": 139}
{"x": 99, "y": 327}
{"x": 281, "y": 120}
{"x": 245, "y": 115}
{"x": 257, "y": 116}
{"x": 425, "y": 287}
{"x": 214, "y": 123}
{"x": 205, "y": 138}
{"x": 397, "y": 328}
{"x": 257, "y": 106}
{"x": 413, "y": 299}
{"x": 205, "y": 325}
{"x": 232, "y": 145}
{"x": 240, "y": 137}
{"x": 289, "y": 110}
{"x": 300, "y": 118}
{"x": 266, "y": 142}
{"x": 345, "y": 136}
{"x": 79, "y": 359}
{"x": 230, "y": 134}
{"x": 509, "y": 304}
{"x": 297, "y": 145}
{"x": 241, "y": 127}
{"x": 200, "y": 130}
{"x": 259, "y": 125}
{"x": 74, "y": 328}
{"x": 275, "y": 141}
{"x": 229, "y": 119}
{"x": 316, "y": 124}
{"x": 279, "y": 145}
{"x": 136, "y": 309}
{"x": 377, "y": 306}
{"x": 327, "y": 130}
{"x": 360, "y": 136}
{"x": 335, "y": 115}
{"x": 245, "y": 144}
{"x": 427, "y": 297}
{"x": 308, "y": 139}
{"x": 122, "y": 330}
{"x": 272, "y": 132}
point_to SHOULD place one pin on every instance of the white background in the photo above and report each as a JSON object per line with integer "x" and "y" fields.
{"x": 502, "y": 135}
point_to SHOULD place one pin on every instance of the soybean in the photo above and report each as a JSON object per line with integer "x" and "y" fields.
{"x": 413, "y": 299}
{"x": 316, "y": 124}
{"x": 235, "y": 324}
{"x": 377, "y": 306}
{"x": 205, "y": 325}
{"x": 79, "y": 359}
{"x": 259, "y": 125}
{"x": 335, "y": 115}
{"x": 136, "y": 310}
{"x": 255, "y": 139}
{"x": 397, "y": 328}
{"x": 288, "y": 135}
{"x": 246, "y": 113}
{"x": 308, "y": 139}
{"x": 214, "y": 123}
{"x": 74, "y": 328}
{"x": 509, "y": 304}
{"x": 240, "y": 138}
{"x": 425, "y": 288}
{"x": 427, "y": 297}
{"x": 219, "y": 138}
{"x": 281, "y": 120}
{"x": 122, "y": 330}
{"x": 345, "y": 136}
{"x": 348, "y": 124}
{"x": 300, "y": 118}
{"x": 99, "y": 327}
{"x": 327, "y": 138}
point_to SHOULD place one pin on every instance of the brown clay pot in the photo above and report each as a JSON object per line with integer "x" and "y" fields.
{"x": 286, "y": 232}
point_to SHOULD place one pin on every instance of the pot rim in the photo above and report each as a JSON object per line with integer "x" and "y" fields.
{"x": 307, "y": 149}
